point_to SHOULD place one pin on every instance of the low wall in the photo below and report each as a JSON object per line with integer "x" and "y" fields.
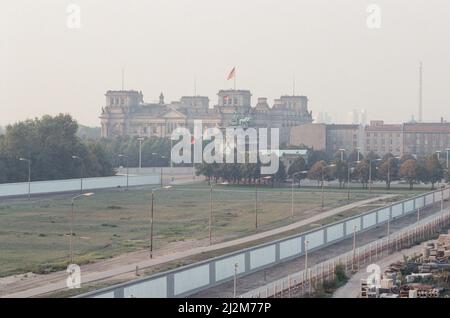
{"x": 54, "y": 186}
{"x": 187, "y": 280}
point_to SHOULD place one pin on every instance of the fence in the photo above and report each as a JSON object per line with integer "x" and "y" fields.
{"x": 303, "y": 282}
{"x": 189, "y": 279}
{"x": 53, "y": 186}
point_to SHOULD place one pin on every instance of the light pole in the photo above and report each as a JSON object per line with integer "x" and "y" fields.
{"x": 81, "y": 171}
{"x": 210, "y": 213}
{"x": 306, "y": 256}
{"x": 342, "y": 153}
{"x": 447, "y": 150}
{"x": 140, "y": 139}
{"x": 72, "y": 217}
{"x": 357, "y": 151}
{"x": 151, "y": 218}
{"x": 160, "y": 168}
{"x": 354, "y": 246}
{"x": 29, "y": 175}
{"x": 236, "y": 265}
{"x": 256, "y": 204}
{"x": 125, "y": 156}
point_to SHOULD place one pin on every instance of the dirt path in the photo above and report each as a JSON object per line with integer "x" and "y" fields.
{"x": 124, "y": 266}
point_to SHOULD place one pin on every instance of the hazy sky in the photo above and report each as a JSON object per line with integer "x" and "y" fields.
{"x": 339, "y": 63}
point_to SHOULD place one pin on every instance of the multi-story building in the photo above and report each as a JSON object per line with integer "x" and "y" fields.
{"x": 423, "y": 139}
{"x": 126, "y": 113}
{"x": 329, "y": 138}
{"x": 419, "y": 139}
{"x": 381, "y": 138}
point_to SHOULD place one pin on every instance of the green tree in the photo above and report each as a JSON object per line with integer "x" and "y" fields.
{"x": 410, "y": 172}
{"x": 434, "y": 170}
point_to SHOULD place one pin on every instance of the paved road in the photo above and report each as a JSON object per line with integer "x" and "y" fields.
{"x": 35, "y": 285}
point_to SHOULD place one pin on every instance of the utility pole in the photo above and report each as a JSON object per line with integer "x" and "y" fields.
{"x": 210, "y": 213}
{"x": 256, "y": 205}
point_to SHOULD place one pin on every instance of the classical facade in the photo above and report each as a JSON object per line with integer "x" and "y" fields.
{"x": 126, "y": 113}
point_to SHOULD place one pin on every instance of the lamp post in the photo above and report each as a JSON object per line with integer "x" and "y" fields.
{"x": 236, "y": 265}
{"x": 81, "y": 171}
{"x": 152, "y": 210}
{"x": 125, "y": 156}
{"x": 342, "y": 153}
{"x": 256, "y": 204}
{"x": 140, "y": 139}
{"x": 29, "y": 175}
{"x": 447, "y": 150}
{"x": 72, "y": 217}
{"x": 306, "y": 256}
{"x": 210, "y": 213}
{"x": 160, "y": 168}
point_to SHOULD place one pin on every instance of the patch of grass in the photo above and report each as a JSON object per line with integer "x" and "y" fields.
{"x": 113, "y": 222}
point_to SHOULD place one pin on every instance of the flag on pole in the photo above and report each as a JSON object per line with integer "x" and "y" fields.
{"x": 232, "y": 74}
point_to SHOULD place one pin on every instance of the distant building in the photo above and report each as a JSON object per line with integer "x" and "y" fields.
{"x": 420, "y": 139}
{"x": 382, "y": 138}
{"x": 329, "y": 138}
{"x": 126, "y": 113}
{"x": 424, "y": 139}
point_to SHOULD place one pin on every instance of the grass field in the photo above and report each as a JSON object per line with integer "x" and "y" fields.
{"x": 34, "y": 235}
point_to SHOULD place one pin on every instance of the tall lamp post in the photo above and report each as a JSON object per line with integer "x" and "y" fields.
{"x": 152, "y": 209}
{"x": 447, "y": 150}
{"x": 354, "y": 246}
{"x": 140, "y": 139}
{"x": 160, "y": 168}
{"x": 72, "y": 217}
{"x": 81, "y": 171}
{"x": 126, "y": 156}
{"x": 29, "y": 175}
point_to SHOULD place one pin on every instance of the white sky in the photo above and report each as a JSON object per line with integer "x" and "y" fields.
{"x": 339, "y": 63}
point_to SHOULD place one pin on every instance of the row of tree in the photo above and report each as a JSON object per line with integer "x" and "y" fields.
{"x": 57, "y": 152}
{"x": 354, "y": 168}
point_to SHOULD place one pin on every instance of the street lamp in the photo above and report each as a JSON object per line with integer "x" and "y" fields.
{"x": 161, "y": 168}
{"x": 306, "y": 256}
{"x": 342, "y": 153}
{"x": 447, "y": 150}
{"x": 151, "y": 218}
{"x": 81, "y": 171}
{"x": 72, "y": 217}
{"x": 29, "y": 175}
{"x": 354, "y": 246}
{"x": 140, "y": 139}
{"x": 125, "y": 156}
